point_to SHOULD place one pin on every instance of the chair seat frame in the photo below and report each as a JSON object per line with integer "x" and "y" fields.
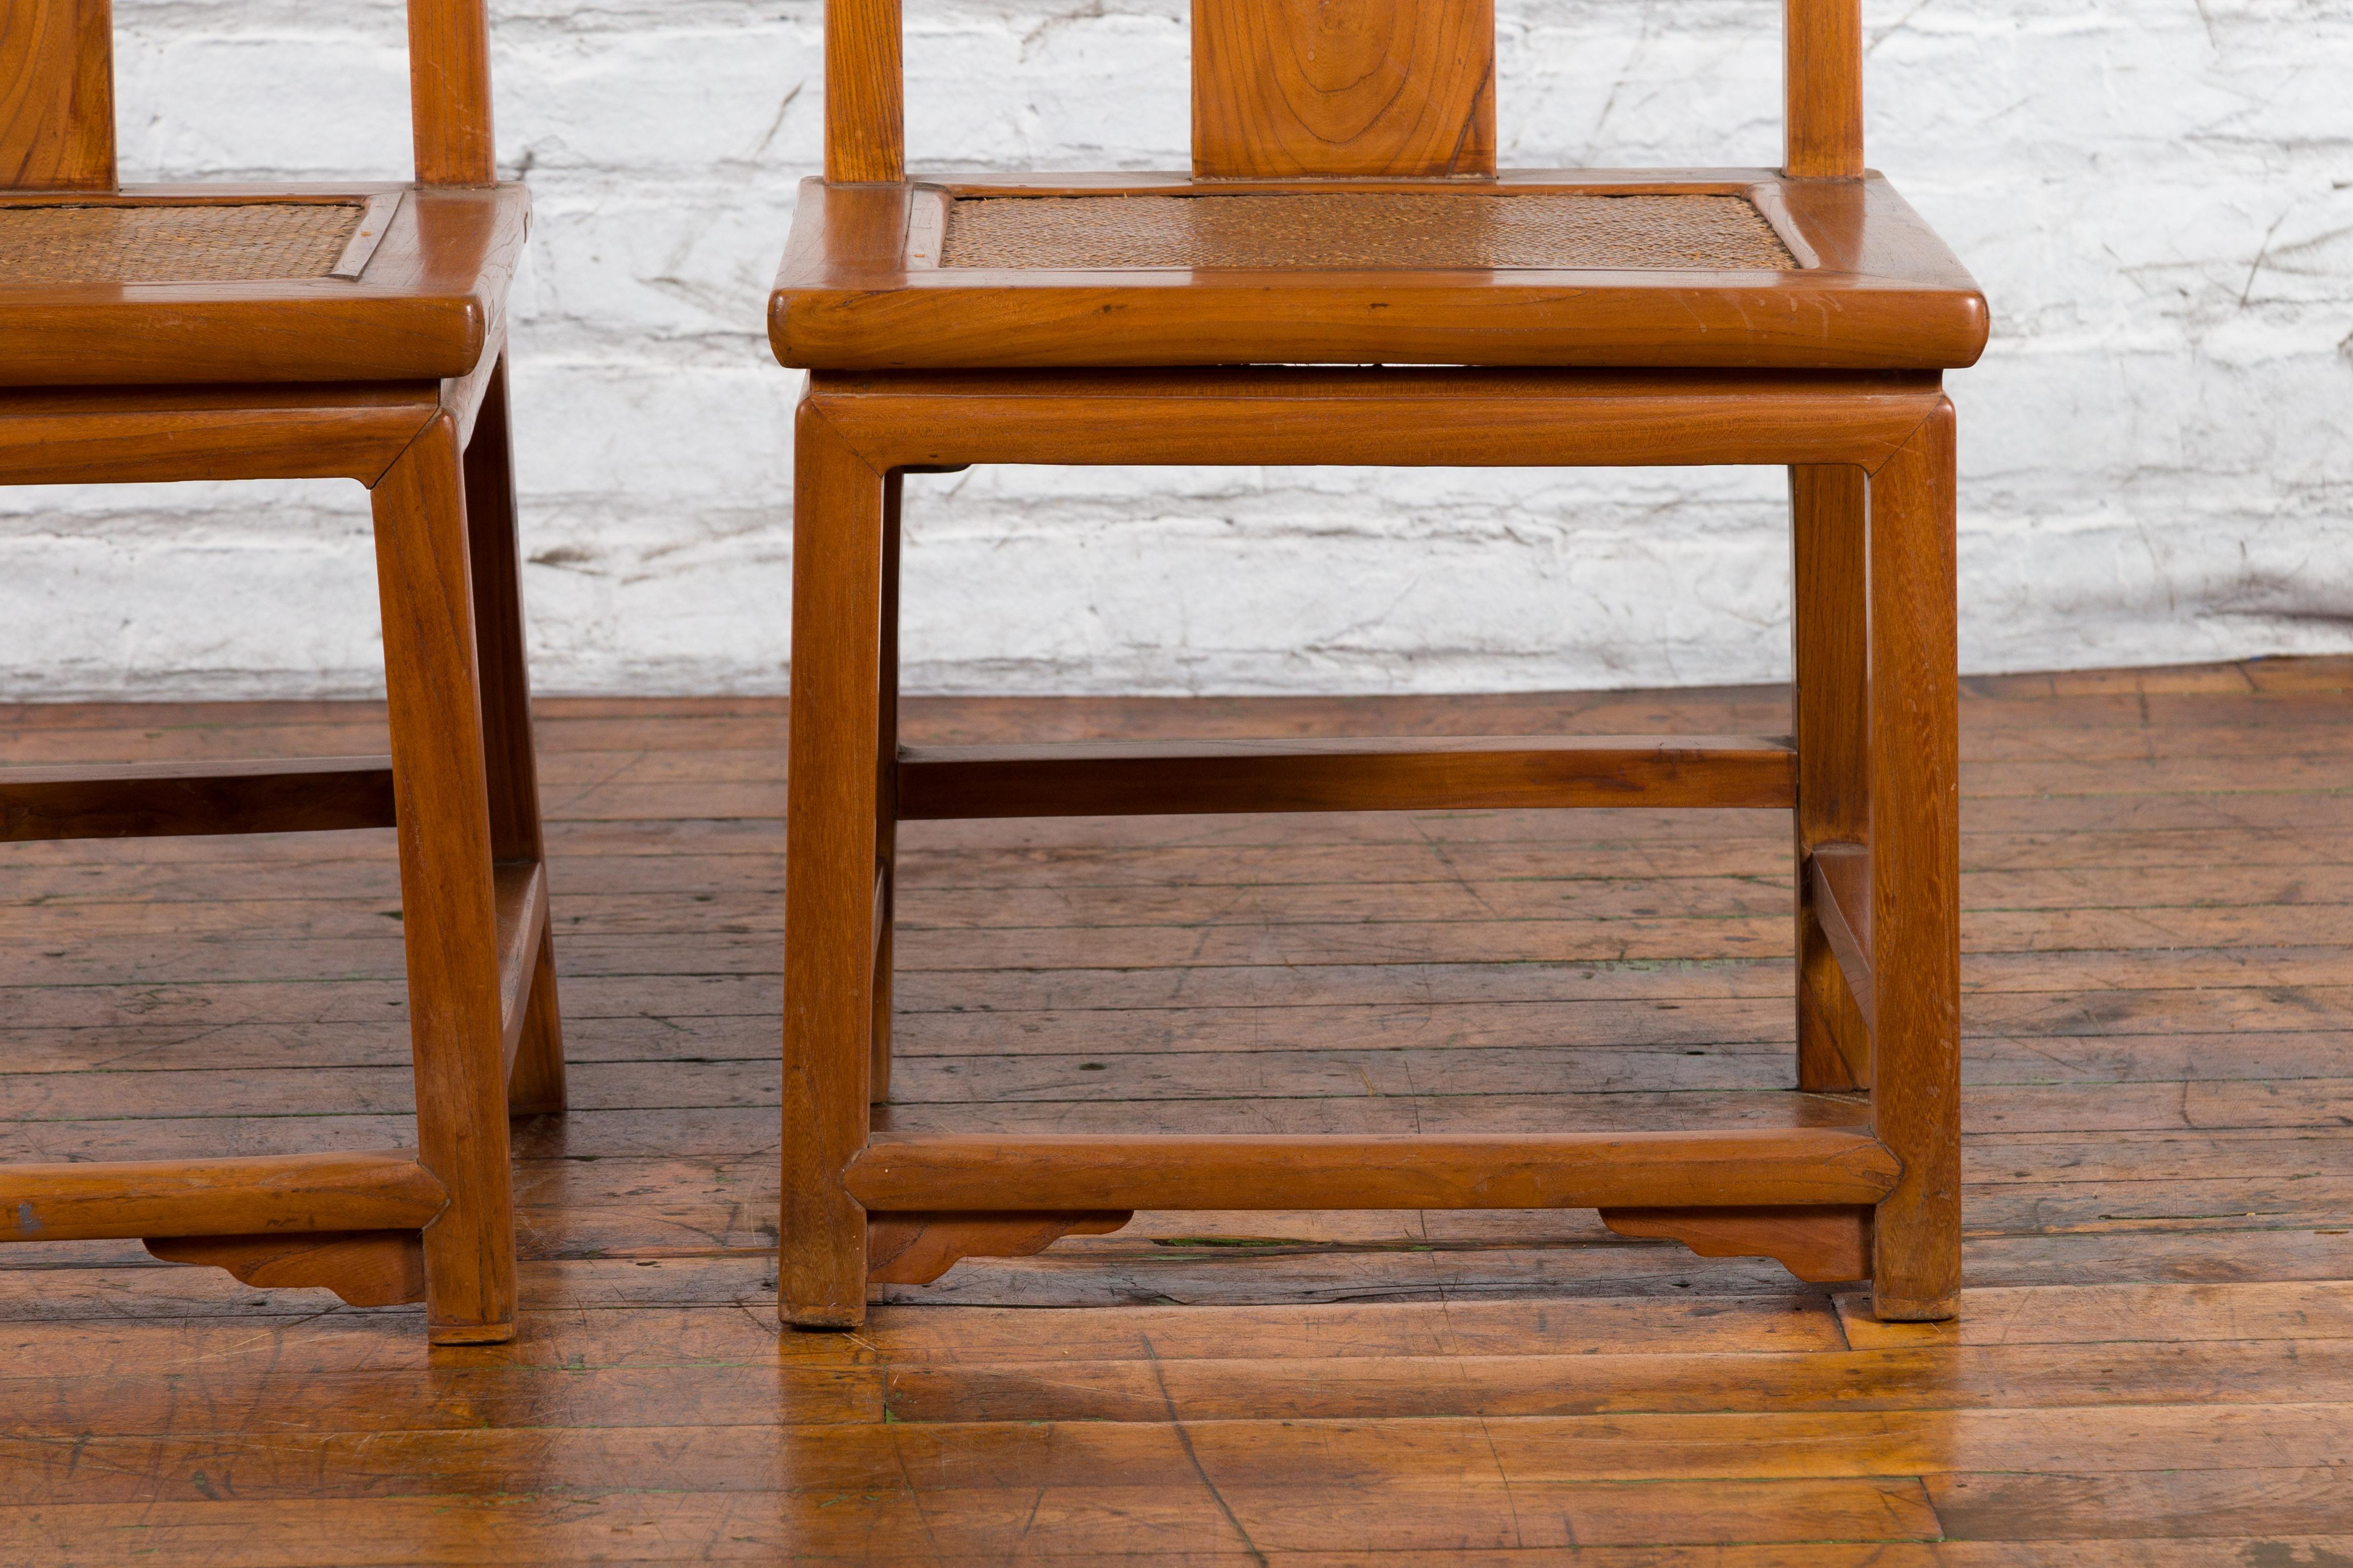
{"x": 1858, "y": 1177}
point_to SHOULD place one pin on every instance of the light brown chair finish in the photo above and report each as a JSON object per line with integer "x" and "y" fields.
{"x": 182, "y": 332}
{"x": 1800, "y": 317}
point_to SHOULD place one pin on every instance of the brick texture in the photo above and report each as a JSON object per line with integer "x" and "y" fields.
{"x": 2157, "y": 450}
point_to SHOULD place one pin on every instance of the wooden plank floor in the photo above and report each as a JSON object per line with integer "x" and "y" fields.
{"x": 2155, "y": 1365}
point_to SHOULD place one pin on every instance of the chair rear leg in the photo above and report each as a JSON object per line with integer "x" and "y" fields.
{"x": 441, "y": 795}
{"x": 886, "y": 793}
{"x": 831, "y": 871}
{"x": 1829, "y": 631}
{"x": 1914, "y": 754}
{"x": 537, "y": 1082}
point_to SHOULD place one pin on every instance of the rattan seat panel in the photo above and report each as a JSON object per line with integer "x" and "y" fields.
{"x": 1368, "y": 229}
{"x": 250, "y": 242}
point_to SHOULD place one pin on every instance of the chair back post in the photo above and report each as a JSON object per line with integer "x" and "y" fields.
{"x": 865, "y": 114}
{"x": 1822, "y": 78}
{"x": 56, "y": 95}
{"x": 449, "y": 93}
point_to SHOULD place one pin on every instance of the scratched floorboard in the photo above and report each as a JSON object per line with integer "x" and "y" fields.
{"x": 2154, "y": 1367}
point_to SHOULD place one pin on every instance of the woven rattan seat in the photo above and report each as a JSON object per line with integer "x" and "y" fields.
{"x": 1362, "y": 229}
{"x": 250, "y": 242}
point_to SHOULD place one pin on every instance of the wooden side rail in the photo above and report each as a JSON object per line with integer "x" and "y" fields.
{"x": 1079, "y": 1172}
{"x": 70, "y": 434}
{"x": 518, "y": 896}
{"x": 1398, "y": 417}
{"x": 1421, "y": 773}
{"x": 169, "y": 799}
{"x": 1838, "y": 879}
{"x": 379, "y": 1190}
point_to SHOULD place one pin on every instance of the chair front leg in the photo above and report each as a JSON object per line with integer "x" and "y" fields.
{"x": 1914, "y": 763}
{"x": 448, "y": 924}
{"x": 536, "y": 1083}
{"x": 831, "y": 871}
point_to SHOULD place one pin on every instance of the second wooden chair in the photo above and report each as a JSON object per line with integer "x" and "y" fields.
{"x": 1344, "y": 210}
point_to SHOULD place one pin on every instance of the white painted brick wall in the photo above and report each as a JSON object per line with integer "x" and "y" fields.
{"x": 2158, "y": 450}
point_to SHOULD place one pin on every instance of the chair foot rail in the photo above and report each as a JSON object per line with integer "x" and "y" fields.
{"x": 379, "y": 1190}
{"x": 1417, "y": 773}
{"x": 160, "y": 800}
{"x": 952, "y": 1172}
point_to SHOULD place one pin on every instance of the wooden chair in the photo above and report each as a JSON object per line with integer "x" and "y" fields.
{"x": 195, "y": 331}
{"x": 1344, "y": 210}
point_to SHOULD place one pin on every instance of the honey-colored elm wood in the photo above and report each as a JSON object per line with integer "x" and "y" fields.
{"x": 387, "y": 1189}
{"x": 1821, "y": 353}
{"x": 917, "y": 1249}
{"x": 151, "y": 800}
{"x": 365, "y": 1268}
{"x": 887, "y": 807}
{"x": 1885, "y": 295}
{"x": 1423, "y": 417}
{"x": 1396, "y": 87}
{"x": 2146, "y": 1292}
{"x": 1914, "y": 932}
{"x": 87, "y": 434}
{"x": 1829, "y": 658}
{"x": 1048, "y": 1172}
{"x": 429, "y": 306}
{"x": 1142, "y": 778}
{"x": 831, "y": 877}
{"x": 1819, "y": 1246}
{"x": 389, "y": 370}
{"x": 449, "y": 922}
{"x": 865, "y": 121}
{"x": 57, "y": 95}
{"x": 535, "y": 1080}
{"x": 1837, "y": 882}
{"x": 1822, "y": 79}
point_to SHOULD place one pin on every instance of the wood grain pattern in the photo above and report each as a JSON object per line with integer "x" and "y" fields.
{"x": 1821, "y": 75}
{"x": 377, "y": 1191}
{"x": 1378, "y": 87}
{"x": 1823, "y": 1247}
{"x": 917, "y": 1249}
{"x": 365, "y": 1268}
{"x": 1148, "y": 778}
{"x": 2154, "y": 1331}
{"x": 57, "y": 95}
{"x": 1407, "y": 417}
{"x": 1275, "y": 1171}
{"x": 166, "y": 799}
{"x": 1886, "y": 294}
{"x": 82, "y": 435}
{"x": 1831, "y": 661}
{"x": 1915, "y": 765}
{"x": 865, "y": 121}
{"x": 1838, "y": 893}
{"x": 449, "y": 93}
{"x": 532, "y": 1028}
{"x": 376, "y": 372}
{"x": 830, "y": 888}
{"x": 449, "y": 923}
{"x": 429, "y": 308}
{"x": 887, "y": 807}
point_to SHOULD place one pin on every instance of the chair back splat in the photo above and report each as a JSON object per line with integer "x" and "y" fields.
{"x": 56, "y": 94}
{"x": 1340, "y": 88}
